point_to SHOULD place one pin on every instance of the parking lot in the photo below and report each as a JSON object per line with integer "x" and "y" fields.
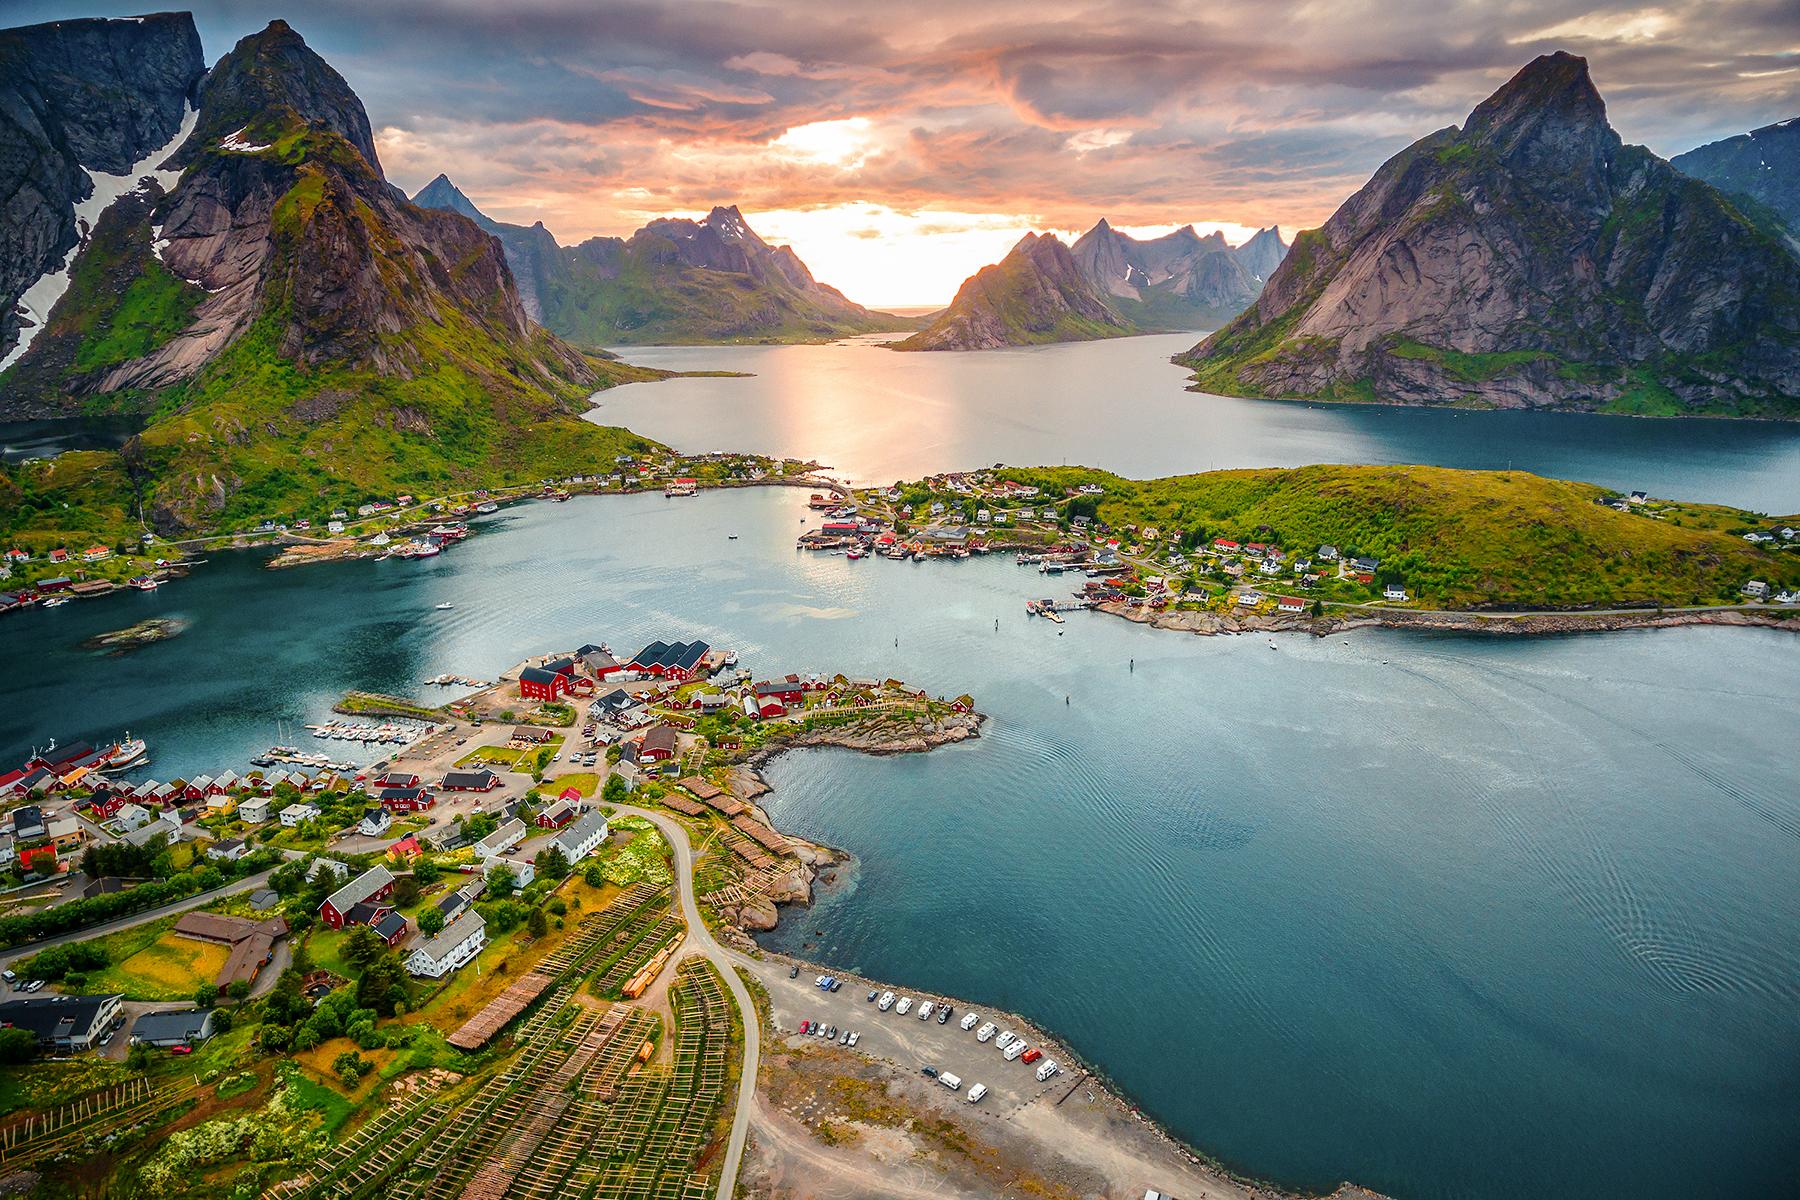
{"x": 910, "y": 1043}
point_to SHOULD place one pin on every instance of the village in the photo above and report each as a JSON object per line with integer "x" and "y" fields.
{"x": 45, "y": 571}
{"x": 1141, "y": 569}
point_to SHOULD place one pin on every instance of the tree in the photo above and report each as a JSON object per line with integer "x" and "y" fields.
{"x": 615, "y": 791}
{"x": 382, "y": 985}
{"x": 362, "y": 946}
{"x": 552, "y": 863}
{"x": 502, "y": 883}
{"x": 431, "y": 922}
{"x": 238, "y": 989}
{"x": 1318, "y": 608}
{"x": 350, "y": 1067}
{"x": 206, "y": 995}
{"x": 536, "y": 924}
{"x": 595, "y": 876}
{"x": 427, "y": 872}
{"x": 222, "y": 1020}
{"x": 17, "y": 1045}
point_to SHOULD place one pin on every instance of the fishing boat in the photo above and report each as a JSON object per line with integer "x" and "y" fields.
{"x": 145, "y": 583}
{"x": 127, "y": 752}
{"x": 854, "y": 553}
{"x": 445, "y": 605}
{"x": 56, "y": 601}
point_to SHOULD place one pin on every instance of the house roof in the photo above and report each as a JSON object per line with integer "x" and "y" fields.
{"x": 55, "y": 1016}
{"x": 391, "y": 926}
{"x": 401, "y": 793}
{"x": 671, "y": 655}
{"x": 184, "y": 1025}
{"x": 451, "y": 936}
{"x": 660, "y": 737}
{"x": 569, "y": 840}
{"x": 537, "y": 675}
{"x": 506, "y": 835}
{"x": 466, "y": 779}
{"x": 360, "y": 888}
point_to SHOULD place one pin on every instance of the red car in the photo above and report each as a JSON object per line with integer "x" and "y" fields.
{"x": 806, "y": 1027}
{"x": 181, "y": 1049}
{"x": 1031, "y": 1056}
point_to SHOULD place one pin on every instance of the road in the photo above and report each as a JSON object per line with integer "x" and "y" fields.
{"x": 246, "y": 884}
{"x": 699, "y": 935}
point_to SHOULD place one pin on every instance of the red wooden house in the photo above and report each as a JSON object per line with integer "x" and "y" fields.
{"x": 359, "y": 902}
{"x": 658, "y": 745}
{"x": 406, "y": 799}
{"x": 539, "y": 683}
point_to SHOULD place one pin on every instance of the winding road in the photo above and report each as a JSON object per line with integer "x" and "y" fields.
{"x": 699, "y": 935}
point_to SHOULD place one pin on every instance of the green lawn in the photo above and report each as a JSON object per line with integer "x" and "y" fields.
{"x": 491, "y": 756}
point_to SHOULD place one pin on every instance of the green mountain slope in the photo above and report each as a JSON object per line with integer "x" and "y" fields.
{"x": 1528, "y": 259}
{"x": 294, "y": 333}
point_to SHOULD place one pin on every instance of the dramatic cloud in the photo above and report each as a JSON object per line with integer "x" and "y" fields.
{"x": 856, "y": 128}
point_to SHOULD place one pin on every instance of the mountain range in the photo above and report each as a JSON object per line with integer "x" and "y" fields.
{"x": 1759, "y": 169}
{"x": 675, "y": 280}
{"x": 1527, "y": 259}
{"x": 291, "y": 329}
{"x": 1108, "y": 284}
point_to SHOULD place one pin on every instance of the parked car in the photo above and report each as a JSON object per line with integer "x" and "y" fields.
{"x": 793, "y": 972}
{"x": 1031, "y": 1055}
{"x": 855, "y": 1038}
{"x": 835, "y": 985}
{"x": 929, "y": 1072}
{"x": 845, "y": 1039}
{"x": 871, "y": 995}
{"x": 943, "y": 1014}
{"x": 181, "y": 1049}
{"x": 806, "y": 1027}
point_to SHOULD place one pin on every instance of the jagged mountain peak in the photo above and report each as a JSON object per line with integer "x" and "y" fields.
{"x": 1528, "y": 259}
{"x": 266, "y": 85}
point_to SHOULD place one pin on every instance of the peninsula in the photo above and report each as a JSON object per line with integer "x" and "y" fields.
{"x": 1330, "y": 547}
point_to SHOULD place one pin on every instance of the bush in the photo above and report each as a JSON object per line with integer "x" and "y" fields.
{"x": 17, "y": 1045}
{"x": 350, "y": 1067}
{"x": 536, "y": 924}
{"x": 431, "y": 922}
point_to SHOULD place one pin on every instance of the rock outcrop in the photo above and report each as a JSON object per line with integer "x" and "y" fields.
{"x": 674, "y": 280}
{"x": 78, "y": 97}
{"x": 1036, "y": 294}
{"x": 1178, "y": 281}
{"x": 1529, "y": 258}
{"x": 1759, "y": 168}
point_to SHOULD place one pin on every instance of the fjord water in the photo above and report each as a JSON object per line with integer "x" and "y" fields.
{"x": 1450, "y": 917}
{"x": 875, "y": 415}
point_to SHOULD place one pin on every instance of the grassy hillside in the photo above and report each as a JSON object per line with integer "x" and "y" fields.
{"x": 1458, "y": 539}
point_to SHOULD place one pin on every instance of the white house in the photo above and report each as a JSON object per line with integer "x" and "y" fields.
{"x": 581, "y": 838}
{"x": 510, "y": 834}
{"x": 132, "y": 816}
{"x": 1393, "y": 591}
{"x": 456, "y": 945}
{"x": 229, "y": 850}
{"x": 295, "y": 813}
{"x": 255, "y": 809}
{"x": 522, "y": 868}
{"x": 375, "y": 822}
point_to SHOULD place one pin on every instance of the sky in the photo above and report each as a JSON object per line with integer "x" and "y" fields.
{"x": 900, "y": 145}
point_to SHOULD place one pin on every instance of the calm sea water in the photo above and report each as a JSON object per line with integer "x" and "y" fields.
{"x": 878, "y": 415}
{"x": 1452, "y": 918}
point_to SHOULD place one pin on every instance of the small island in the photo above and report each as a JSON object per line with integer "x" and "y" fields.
{"x": 144, "y": 633}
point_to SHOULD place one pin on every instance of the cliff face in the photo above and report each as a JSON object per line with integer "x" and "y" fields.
{"x": 1527, "y": 259}
{"x": 1762, "y": 166}
{"x": 78, "y": 97}
{"x": 674, "y": 280}
{"x": 299, "y": 328}
{"x": 1036, "y": 294}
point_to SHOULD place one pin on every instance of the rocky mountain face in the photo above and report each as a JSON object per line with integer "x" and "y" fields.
{"x": 1262, "y": 253}
{"x": 1529, "y": 258}
{"x": 1762, "y": 167}
{"x": 1106, "y": 284}
{"x": 1036, "y": 294}
{"x": 77, "y": 97}
{"x": 674, "y": 280}
{"x": 299, "y": 327}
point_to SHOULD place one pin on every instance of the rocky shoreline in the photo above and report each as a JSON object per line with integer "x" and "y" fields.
{"x": 760, "y": 914}
{"x": 1493, "y": 623}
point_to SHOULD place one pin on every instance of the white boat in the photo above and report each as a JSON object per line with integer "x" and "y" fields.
{"x": 56, "y": 601}
{"x": 129, "y": 752}
{"x": 445, "y": 605}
